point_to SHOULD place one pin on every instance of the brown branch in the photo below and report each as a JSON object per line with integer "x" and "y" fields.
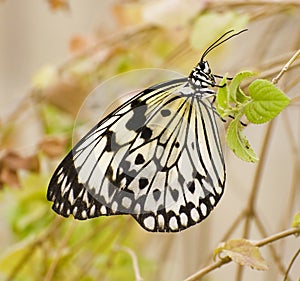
{"x": 274, "y": 254}
{"x": 260, "y": 243}
{"x": 250, "y": 208}
{"x": 290, "y": 265}
{"x": 249, "y": 211}
{"x": 286, "y": 67}
{"x": 277, "y": 236}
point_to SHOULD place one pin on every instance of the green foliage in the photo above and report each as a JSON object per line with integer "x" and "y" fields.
{"x": 74, "y": 250}
{"x": 30, "y": 215}
{"x": 20, "y": 257}
{"x": 296, "y": 220}
{"x": 266, "y": 102}
{"x": 262, "y": 103}
{"x": 56, "y": 121}
{"x": 238, "y": 142}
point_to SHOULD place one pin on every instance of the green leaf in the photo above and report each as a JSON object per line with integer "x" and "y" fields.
{"x": 267, "y": 101}
{"x": 56, "y": 121}
{"x": 238, "y": 143}
{"x": 296, "y": 220}
{"x": 241, "y": 97}
{"x": 236, "y": 94}
{"x": 222, "y": 98}
{"x": 242, "y": 252}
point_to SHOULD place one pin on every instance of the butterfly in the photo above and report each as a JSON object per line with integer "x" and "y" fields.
{"x": 157, "y": 157}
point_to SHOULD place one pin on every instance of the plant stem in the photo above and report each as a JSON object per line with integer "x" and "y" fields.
{"x": 260, "y": 243}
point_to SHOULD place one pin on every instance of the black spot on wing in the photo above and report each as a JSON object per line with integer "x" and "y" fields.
{"x": 139, "y": 159}
{"x": 146, "y": 133}
{"x": 111, "y": 144}
{"x": 138, "y": 118}
{"x": 156, "y": 194}
{"x": 175, "y": 194}
{"x": 143, "y": 182}
{"x": 191, "y": 186}
{"x": 165, "y": 112}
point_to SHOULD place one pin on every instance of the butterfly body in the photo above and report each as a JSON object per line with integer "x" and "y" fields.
{"x": 157, "y": 157}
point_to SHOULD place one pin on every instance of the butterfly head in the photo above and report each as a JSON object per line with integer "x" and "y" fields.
{"x": 201, "y": 76}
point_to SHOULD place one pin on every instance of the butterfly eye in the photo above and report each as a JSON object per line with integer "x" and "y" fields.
{"x": 205, "y": 67}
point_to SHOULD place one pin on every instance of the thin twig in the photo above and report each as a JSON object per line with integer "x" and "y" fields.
{"x": 270, "y": 72}
{"x": 277, "y": 236}
{"x": 274, "y": 254}
{"x": 290, "y": 265}
{"x": 285, "y": 68}
{"x": 234, "y": 225}
{"x": 257, "y": 177}
{"x": 208, "y": 269}
{"x": 260, "y": 243}
{"x": 31, "y": 250}
{"x": 134, "y": 261}
{"x": 294, "y": 147}
{"x": 259, "y": 170}
{"x": 54, "y": 264}
{"x": 107, "y": 242}
{"x": 250, "y": 207}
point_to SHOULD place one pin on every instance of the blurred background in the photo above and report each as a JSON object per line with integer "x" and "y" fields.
{"x": 54, "y": 53}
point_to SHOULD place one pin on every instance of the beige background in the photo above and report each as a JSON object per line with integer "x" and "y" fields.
{"x": 32, "y": 36}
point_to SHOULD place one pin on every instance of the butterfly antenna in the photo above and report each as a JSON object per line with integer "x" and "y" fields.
{"x": 219, "y": 42}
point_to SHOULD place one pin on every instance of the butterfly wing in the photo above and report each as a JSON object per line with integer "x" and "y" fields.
{"x": 157, "y": 157}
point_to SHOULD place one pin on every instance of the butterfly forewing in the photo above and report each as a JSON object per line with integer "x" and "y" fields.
{"x": 157, "y": 157}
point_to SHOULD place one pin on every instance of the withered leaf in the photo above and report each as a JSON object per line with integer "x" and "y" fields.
{"x": 53, "y": 146}
{"x": 11, "y": 162}
{"x": 243, "y": 252}
{"x": 59, "y": 4}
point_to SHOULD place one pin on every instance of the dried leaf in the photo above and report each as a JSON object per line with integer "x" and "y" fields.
{"x": 11, "y": 162}
{"x": 127, "y": 14}
{"x": 61, "y": 93}
{"x": 14, "y": 161}
{"x": 79, "y": 43}
{"x": 53, "y": 146}
{"x": 9, "y": 177}
{"x": 59, "y": 4}
{"x": 242, "y": 252}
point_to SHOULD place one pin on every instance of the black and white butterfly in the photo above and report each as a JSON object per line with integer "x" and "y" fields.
{"x": 157, "y": 157}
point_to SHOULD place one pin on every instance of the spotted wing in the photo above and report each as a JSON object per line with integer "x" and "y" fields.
{"x": 157, "y": 157}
